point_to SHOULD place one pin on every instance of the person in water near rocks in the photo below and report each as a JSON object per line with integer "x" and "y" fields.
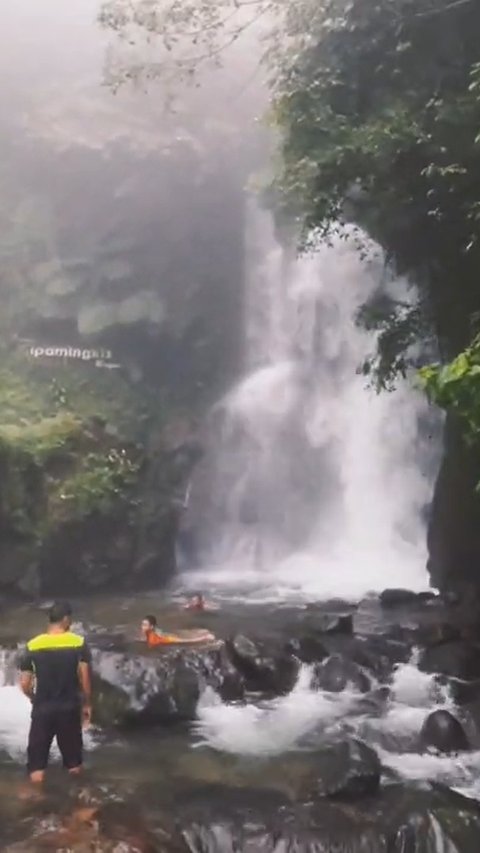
{"x": 153, "y": 636}
{"x": 199, "y": 604}
{"x": 55, "y": 675}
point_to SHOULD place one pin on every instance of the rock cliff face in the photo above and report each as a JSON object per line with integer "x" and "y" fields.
{"x": 121, "y": 275}
{"x": 454, "y": 531}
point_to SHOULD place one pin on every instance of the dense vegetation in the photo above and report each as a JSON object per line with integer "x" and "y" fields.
{"x": 378, "y": 107}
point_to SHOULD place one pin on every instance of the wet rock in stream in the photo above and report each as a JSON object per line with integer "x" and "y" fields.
{"x": 390, "y": 598}
{"x": 337, "y": 673}
{"x": 443, "y": 732}
{"x": 263, "y": 671}
{"x": 456, "y": 659}
{"x": 308, "y": 649}
{"x": 89, "y": 823}
{"x": 219, "y": 819}
{"x": 330, "y": 623}
{"x": 150, "y": 689}
{"x": 346, "y": 769}
{"x": 398, "y": 820}
{"x": 377, "y": 654}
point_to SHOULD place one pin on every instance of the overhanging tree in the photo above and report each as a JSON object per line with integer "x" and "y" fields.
{"x": 377, "y": 105}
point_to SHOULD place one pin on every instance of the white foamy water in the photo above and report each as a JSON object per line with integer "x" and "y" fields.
{"x": 14, "y": 721}
{"x": 273, "y": 727}
{"x": 309, "y": 718}
{"x": 15, "y": 710}
{"x": 312, "y": 485}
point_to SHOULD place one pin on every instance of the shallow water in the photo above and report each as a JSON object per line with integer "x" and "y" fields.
{"x": 232, "y": 744}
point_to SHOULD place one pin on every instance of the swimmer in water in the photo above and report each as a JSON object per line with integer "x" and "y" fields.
{"x": 199, "y": 604}
{"x": 153, "y": 636}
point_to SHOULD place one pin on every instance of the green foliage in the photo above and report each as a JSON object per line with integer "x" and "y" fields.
{"x": 379, "y": 112}
{"x": 99, "y": 484}
{"x": 20, "y": 491}
{"x": 377, "y": 105}
{"x": 397, "y": 326}
{"x": 37, "y": 494}
{"x": 45, "y": 438}
{"x": 30, "y": 392}
{"x": 383, "y": 98}
{"x": 455, "y": 387}
{"x": 60, "y": 461}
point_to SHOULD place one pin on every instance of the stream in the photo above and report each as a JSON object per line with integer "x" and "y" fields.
{"x": 258, "y": 743}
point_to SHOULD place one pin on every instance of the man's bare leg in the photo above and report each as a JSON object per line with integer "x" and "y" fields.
{"x": 33, "y": 789}
{"x": 37, "y": 777}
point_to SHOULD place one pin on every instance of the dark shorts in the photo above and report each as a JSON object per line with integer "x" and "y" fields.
{"x": 66, "y": 727}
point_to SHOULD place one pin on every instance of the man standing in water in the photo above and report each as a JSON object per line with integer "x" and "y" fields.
{"x": 55, "y": 676}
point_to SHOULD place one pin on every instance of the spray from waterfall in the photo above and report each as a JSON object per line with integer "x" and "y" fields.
{"x": 313, "y": 484}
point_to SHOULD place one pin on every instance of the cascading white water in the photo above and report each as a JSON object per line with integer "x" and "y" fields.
{"x": 316, "y": 484}
{"x": 308, "y": 718}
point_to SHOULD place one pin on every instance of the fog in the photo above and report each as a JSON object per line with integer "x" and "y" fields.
{"x": 128, "y": 225}
{"x": 54, "y": 54}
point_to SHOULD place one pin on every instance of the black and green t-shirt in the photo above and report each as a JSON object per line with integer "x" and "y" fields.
{"x": 53, "y": 659}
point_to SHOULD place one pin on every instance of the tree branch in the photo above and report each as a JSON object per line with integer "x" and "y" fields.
{"x": 454, "y": 5}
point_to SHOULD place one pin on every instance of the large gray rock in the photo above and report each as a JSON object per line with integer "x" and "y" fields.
{"x": 398, "y": 820}
{"x": 270, "y": 672}
{"x": 398, "y": 598}
{"x": 347, "y": 769}
{"x": 455, "y": 659}
{"x": 158, "y": 687}
{"x": 444, "y": 733}
{"x": 454, "y": 528}
{"x": 337, "y": 673}
{"x": 330, "y": 623}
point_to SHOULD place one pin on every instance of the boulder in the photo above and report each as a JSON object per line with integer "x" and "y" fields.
{"x": 270, "y": 673}
{"x": 223, "y": 676}
{"x": 399, "y": 819}
{"x": 308, "y": 648}
{"x": 398, "y": 598}
{"x": 374, "y": 702}
{"x": 89, "y": 822}
{"x": 391, "y": 598}
{"x": 437, "y": 633}
{"x": 378, "y": 653}
{"x": 429, "y": 597}
{"x": 347, "y": 769}
{"x": 464, "y": 692}
{"x": 337, "y": 673}
{"x": 151, "y": 689}
{"x": 443, "y": 732}
{"x": 455, "y": 659}
{"x": 434, "y": 820}
{"x": 330, "y": 623}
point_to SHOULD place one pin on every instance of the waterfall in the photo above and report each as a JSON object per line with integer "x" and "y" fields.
{"x": 312, "y": 484}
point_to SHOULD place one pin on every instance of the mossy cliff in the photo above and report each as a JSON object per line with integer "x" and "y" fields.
{"x": 121, "y": 281}
{"x": 87, "y": 482}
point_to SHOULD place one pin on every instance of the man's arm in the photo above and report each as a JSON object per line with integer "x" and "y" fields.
{"x": 26, "y": 684}
{"x": 26, "y": 678}
{"x": 85, "y": 679}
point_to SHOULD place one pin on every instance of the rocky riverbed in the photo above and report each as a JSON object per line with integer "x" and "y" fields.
{"x": 328, "y": 727}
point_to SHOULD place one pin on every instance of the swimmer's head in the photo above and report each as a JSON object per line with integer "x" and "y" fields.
{"x": 149, "y": 623}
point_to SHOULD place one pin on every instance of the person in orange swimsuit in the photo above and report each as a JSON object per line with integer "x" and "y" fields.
{"x": 155, "y": 637}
